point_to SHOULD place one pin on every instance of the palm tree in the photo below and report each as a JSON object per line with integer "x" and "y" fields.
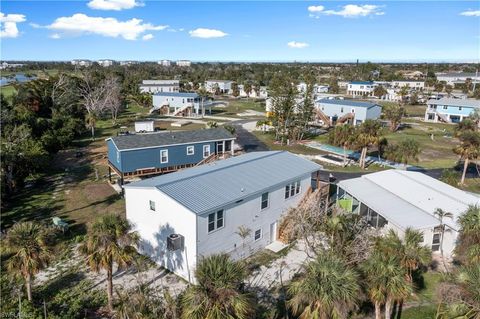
{"x": 110, "y": 240}
{"x": 467, "y": 124}
{"x": 367, "y": 134}
{"x": 441, "y": 215}
{"x": 327, "y": 289}
{"x": 469, "y": 149}
{"x": 386, "y": 281}
{"x": 29, "y": 243}
{"x": 203, "y": 93}
{"x": 409, "y": 249}
{"x": 404, "y": 152}
{"x": 218, "y": 293}
{"x": 470, "y": 233}
{"x": 247, "y": 87}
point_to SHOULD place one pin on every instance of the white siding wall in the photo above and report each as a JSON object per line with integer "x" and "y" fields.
{"x": 155, "y": 226}
{"x": 250, "y": 215}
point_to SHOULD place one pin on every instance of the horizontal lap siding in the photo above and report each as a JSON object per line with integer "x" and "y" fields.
{"x": 112, "y": 155}
{"x": 148, "y": 158}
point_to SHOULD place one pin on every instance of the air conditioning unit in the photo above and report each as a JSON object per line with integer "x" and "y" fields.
{"x": 175, "y": 242}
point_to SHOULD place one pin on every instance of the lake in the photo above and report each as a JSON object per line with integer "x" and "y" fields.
{"x": 19, "y": 77}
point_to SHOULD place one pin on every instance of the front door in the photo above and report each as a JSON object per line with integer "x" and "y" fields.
{"x": 220, "y": 147}
{"x": 273, "y": 232}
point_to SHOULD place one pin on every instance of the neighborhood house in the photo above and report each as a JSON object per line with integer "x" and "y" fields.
{"x": 397, "y": 199}
{"x": 450, "y": 110}
{"x": 332, "y": 111}
{"x": 157, "y": 153}
{"x": 197, "y": 212}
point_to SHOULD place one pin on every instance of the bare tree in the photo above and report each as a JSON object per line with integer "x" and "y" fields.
{"x": 112, "y": 96}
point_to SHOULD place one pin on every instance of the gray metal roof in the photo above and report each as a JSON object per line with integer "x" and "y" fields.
{"x": 212, "y": 186}
{"x": 136, "y": 141}
{"x": 409, "y": 199}
{"x": 455, "y": 102}
{"x": 348, "y": 103}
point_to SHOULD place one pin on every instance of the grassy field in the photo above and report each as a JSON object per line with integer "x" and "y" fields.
{"x": 7, "y": 91}
{"x": 234, "y": 107}
{"x": 269, "y": 140}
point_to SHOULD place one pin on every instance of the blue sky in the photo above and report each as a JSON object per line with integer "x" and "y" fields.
{"x": 241, "y": 31}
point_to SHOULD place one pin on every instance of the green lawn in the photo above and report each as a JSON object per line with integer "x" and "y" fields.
{"x": 269, "y": 140}
{"x": 234, "y": 107}
{"x": 8, "y": 91}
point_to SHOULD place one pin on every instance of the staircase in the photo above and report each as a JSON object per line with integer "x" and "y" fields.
{"x": 213, "y": 157}
{"x": 322, "y": 116}
{"x": 443, "y": 117}
{"x": 182, "y": 110}
{"x": 345, "y": 118}
{"x": 159, "y": 108}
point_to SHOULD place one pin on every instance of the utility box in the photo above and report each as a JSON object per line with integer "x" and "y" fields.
{"x": 144, "y": 126}
{"x": 175, "y": 242}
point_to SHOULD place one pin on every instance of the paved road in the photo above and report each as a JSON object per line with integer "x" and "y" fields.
{"x": 248, "y": 141}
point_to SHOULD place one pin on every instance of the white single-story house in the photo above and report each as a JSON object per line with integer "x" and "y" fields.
{"x": 165, "y": 62}
{"x": 262, "y": 92}
{"x": 225, "y": 86}
{"x": 183, "y": 63}
{"x": 199, "y": 211}
{"x": 398, "y": 199}
{"x": 453, "y": 77}
{"x": 450, "y": 110}
{"x": 416, "y": 85}
{"x": 333, "y": 111}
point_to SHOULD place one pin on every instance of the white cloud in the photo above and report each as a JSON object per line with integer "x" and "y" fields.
{"x": 207, "y": 33}
{"x": 55, "y": 36}
{"x": 80, "y": 23}
{"x": 116, "y": 5}
{"x": 347, "y": 11}
{"x": 297, "y": 45}
{"x": 471, "y": 13}
{"x": 147, "y": 37}
{"x": 8, "y": 25}
{"x": 316, "y": 8}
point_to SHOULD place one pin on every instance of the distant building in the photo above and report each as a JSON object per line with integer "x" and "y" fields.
{"x": 416, "y": 85}
{"x": 452, "y": 78}
{"x": 224, "y": 86}
{"x": 179, "y": 103}
{"x": 302, "y": 87}
{"x": 332, "y": 112}
{"x": 450, "y": 110}
{"x": 128, "y": 63}
{"x": 184, "y": 216}
{"x": 5, "y": 65}
{"x": 360, "y": 88}
{"x": 138, "y": 155}
{"x": 397, "y": 200}
{"x": 159, "y": 86}
{"x": 85, "y": 63}
{"x": 105, "y": 63}
{"x": 261, "y": 94}
{"x": 185, "y": 63}
{"x": 165, "y": 62}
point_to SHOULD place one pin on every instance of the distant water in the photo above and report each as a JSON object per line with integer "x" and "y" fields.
{"x": 19, "y": 77}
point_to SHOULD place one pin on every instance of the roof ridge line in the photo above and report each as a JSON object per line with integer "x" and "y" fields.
{"x": 269, "y": 153}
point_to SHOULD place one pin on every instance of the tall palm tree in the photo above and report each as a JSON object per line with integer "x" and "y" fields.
{"x": 386, "y": 281}
{"x": 366, "y": 135}
{"x": 470, "y": 233}
{"x": 110, "y": 240}
{"x": 204, "y": 94}
{"x": 29, "y": 243}
{"x": 218, "y": 292}
{"x": 441, "y": 215}
{"x": 327, "y": 289}
{"x": 469, "y": 149}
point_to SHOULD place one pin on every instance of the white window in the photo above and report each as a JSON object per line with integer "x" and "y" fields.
{"x": 353, "y": 110}
{"x": 436, "y": 242}
{"x": 264, "y": 201}
{"x": 445, "y": 107}
{"x": 190, "y": 150}
{"x": 206, "y": 151}
{"x": 258, "y": 234}
{"x": 118, "y": 157}
{"x": 164, "y": 156}
{"x": 215, "y": 220}
{"x": 152, "y": 205}
{"x": 292, "y": 189}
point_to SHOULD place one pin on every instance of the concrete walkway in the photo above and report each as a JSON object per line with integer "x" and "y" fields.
{"x": 280, "y": 270}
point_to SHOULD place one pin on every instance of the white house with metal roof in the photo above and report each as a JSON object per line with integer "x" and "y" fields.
{"x": 398, "y": 199}
{"x": 361, "y": 88}
{"x": 353, "y": 112}
{"x": 156, "y": 86}
{"x": 178, "y": 103}
{"x": 450, "y": 110}
{"x": 224, "y": 86}
{"x": 197, "y": 212}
